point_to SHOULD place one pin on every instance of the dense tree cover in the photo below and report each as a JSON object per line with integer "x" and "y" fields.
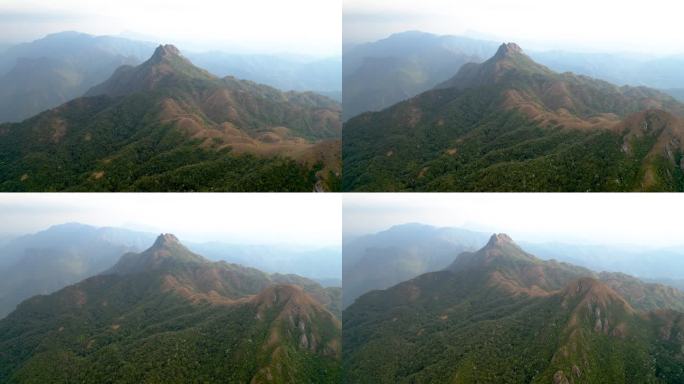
{"x": 474, "y": 324}
{"x": 142, "y": 155}
{"x": 162, "y": 126}
{"x": 467, "y": 144}
{"x": 510, "y": 124}
{"x": 158, "y": 325}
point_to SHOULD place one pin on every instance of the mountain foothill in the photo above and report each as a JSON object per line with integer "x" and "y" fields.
{"x": 167, "y": 125}
{"x": 511, "y": 124}
{"x": 170, "y": 315}
{"x": 500, "y": 314}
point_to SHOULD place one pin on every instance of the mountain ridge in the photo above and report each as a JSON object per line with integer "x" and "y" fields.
{"x": 166, "y": 249}
{"x": 276, "y": 331}
{"x": 466, "y": 324}
{"x": 511, "y": 124}
{"x": 165, "y": 67}
{"x": 187, "y": 124}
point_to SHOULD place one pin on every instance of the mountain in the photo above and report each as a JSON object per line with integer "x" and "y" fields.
{"x": 321, "y": 263}
{"x": 502, "y": 315}
{"x": 50, "y": 71}
{"x": 279, "y": 71}
{"x": 382, "y": 73}
{"x": 659, "y": 72}
{"x": 677, "y": 93}
{"x": 49, "y": 260}
{"x": 167, "y": 125}
{"x": 59, "y": 67}
{"x": 402, "y": 252}
{"x": 65, "y": 254}
{"x": 379, "y": 74}
{"x": 656, "y": 263}
{"x": 511, "y": 124}
{"x": 169, "y": 315}
{"x": 381, "y": 260}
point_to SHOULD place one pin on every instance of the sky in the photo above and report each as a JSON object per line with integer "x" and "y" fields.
{"x": 310, "y": 27}
{"x": 245, "y": 218}
{"x": 653, "y": 27}
{"x": 653, "y": 220}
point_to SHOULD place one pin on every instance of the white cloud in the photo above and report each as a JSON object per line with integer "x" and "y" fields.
{"x": 313, "y": 219}
{"x": 626, "y": 25}
{"x": 643, "y": 219}
{"x": 300, "y": 26}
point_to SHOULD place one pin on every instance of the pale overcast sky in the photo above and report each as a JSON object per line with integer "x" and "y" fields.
{"x": 653, "y": 26}
{"x": 254, "y": 218}
{"x": 294, "y": 26}
{"x": 591, "y": 218}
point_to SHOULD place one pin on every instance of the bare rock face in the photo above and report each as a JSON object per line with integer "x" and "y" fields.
{"x": 166, "y": 50}
{"x": 576, "y": 371}
{"x": 304, "y": 341}
{"x": 499, "y": 239}
{"x": 166, "y": 239}
{"x": 507, "y": 50}
{"x": 559, "y": 378}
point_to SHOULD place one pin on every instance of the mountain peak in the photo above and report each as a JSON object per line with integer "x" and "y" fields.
{"x": 508, "y": 50}
{"x": 166, "y": 250}
{"x": 166, "y": 68}
{"x": 509, "y": 60}
{"x": 165, "y": 240}
{"x": 500, "y": 247}
{"x": 499, "y": 239}
{"x": 165, "y": 50}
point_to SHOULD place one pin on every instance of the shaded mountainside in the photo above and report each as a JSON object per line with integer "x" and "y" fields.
{"x": 168, "y": 125}
{"x": 64, "y": 254}
{"x": 512, "y": 124}
{"x": 503, "y": 315}
{"x": 379, "y": 74}
{"x": 169, "y": 315}
{"x": 400, "y": 253}
{"x": 47, "y": 72}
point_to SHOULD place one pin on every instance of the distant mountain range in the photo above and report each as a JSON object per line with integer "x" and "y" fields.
{"x": 503, "y": 315}
{"x": 50, "y": 71}
{"x": 167, "y": 125}
{"x": 402, "y": 252}
{"x": 381, "y": 73}
{"x": 62, "y": 255}
{"x": 511, "y": 124}
{"x": 288, "y": 73}
{"x": 170, "y": 315}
